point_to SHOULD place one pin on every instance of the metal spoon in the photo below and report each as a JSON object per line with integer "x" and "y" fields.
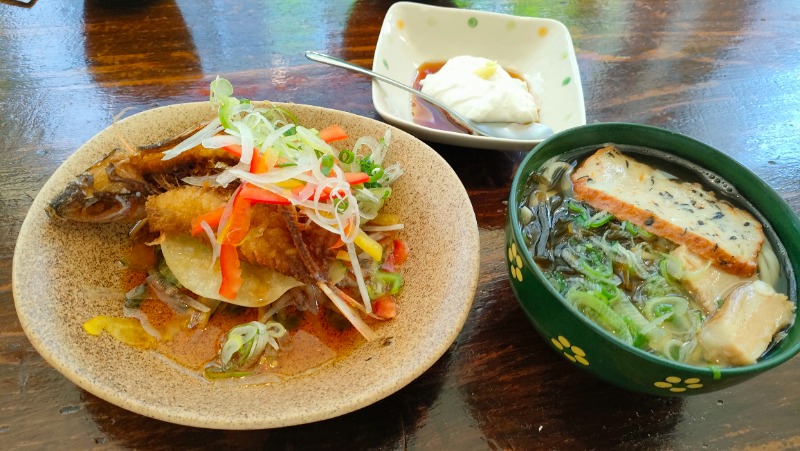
{"x": 525, "y": 132}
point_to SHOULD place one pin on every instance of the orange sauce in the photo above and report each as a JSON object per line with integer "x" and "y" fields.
{"x": 427, "y": 115}
{"x": 194, "y": 348}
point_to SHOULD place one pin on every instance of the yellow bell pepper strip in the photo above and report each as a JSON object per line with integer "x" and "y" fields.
{"x": 368, "y": 245}
{"x": 385, "y": 219}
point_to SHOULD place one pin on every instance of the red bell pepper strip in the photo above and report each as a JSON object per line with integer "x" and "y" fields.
{"x": 332, "y": 133}
{"x": 238, "y": 224}
{"x": 324, "y": 196}
{"x": 258, "y": 165}
{"x": 211, "y": 218}
{"x": 356, "y": 178}
{"x": 233, "y": 149}
{"x": 256, "y": 194}
{"x": 339, "y": 243}
{"x": 231, "y": 271}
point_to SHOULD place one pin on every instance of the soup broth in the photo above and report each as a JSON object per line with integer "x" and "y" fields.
{"x": 627, "y": 280}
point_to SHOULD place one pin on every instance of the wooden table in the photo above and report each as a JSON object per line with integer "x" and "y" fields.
{"x": 723, "y": 71}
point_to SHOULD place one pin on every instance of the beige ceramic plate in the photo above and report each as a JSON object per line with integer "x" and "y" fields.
{"x": 63, "y": 275}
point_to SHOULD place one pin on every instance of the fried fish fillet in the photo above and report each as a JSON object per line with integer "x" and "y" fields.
{"x": 269, "y": 241}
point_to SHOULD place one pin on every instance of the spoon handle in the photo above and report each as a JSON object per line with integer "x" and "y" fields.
{"x": 333, "y": 61}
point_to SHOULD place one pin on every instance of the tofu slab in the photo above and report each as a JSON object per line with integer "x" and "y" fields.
{"x": 708, "y": 284}
{"x": 742, "y": 329}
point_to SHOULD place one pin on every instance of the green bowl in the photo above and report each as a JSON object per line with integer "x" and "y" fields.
{"x": 587, "y": 345}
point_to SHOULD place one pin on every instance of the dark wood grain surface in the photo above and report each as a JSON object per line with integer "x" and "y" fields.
{"x": 725, "y": 72}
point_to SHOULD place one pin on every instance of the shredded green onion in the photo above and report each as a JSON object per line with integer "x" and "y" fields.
{"x": 594, "y": 307}
{"x": 375, "y": 174}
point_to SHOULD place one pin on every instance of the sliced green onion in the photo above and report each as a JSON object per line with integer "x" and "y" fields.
{"x": 375, "y": 174}
{"x": 366, "y": 164}
{"x": 674, "y": 306}
{"x": 383, "y": 283}
{"x": 347, "y": 156}
{"x": 599, "y": 312}
{"x": 341, "y": 205}
{"x": 635, "y": 230}
{"x": 246, "y": 342}
{"x": 326, "y": 164}
{"x": 598, "y": 219}
{"x": 577, "y": 208}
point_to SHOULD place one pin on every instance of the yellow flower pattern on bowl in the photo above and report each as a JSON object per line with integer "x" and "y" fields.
{"x": 678, "y": 385}
{"x": 515, "y": 262}
{"x": 571, "y": 352}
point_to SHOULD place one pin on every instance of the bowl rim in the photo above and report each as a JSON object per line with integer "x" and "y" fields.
{"x": 519, "y": 181}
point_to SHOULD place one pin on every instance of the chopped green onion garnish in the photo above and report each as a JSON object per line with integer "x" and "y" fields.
{"x": 347, "y": 156}
{"x": 326, "y": 164}
{"x": 375, "y": 174}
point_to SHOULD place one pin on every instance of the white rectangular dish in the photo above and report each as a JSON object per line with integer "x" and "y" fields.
{"x": 538, "y": 49}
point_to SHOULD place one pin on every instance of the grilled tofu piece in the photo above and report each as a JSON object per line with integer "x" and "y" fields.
{"x": 681, "y": 212}
{"x": 708, "y": 284}
{"x": 742, "y": 329}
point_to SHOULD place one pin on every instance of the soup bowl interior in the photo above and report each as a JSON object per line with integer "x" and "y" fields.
{"x": 589, "y": 346}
